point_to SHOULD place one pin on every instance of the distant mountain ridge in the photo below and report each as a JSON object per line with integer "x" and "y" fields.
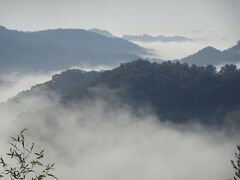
{"x": 159, "y": 38}
{"x": 211, "y": 55}
{"x": 62, "y": 48}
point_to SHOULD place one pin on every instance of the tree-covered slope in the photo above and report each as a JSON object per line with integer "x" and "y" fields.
{"x": 175, "y": 91}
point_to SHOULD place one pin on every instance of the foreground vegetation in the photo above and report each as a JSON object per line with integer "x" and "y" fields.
{"x": 24, "y": 162}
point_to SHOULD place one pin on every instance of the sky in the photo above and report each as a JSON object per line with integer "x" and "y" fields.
{"x": 208, "y": 22}
{"x": 125, "y": 16}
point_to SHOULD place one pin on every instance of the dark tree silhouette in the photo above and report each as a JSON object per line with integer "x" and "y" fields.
{"x": 174, "y": 91}
{"x": 25, "y": 163}
{"x": 236, "y": 164}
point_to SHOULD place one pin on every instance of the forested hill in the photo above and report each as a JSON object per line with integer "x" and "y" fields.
{"x": 175, "y": 91}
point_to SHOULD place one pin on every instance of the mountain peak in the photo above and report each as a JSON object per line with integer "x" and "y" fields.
{"x": 210, "y": 48}
{"x": 207, "y": 55}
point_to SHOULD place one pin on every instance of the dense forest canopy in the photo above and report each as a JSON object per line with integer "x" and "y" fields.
{"x": 174, "y": 91}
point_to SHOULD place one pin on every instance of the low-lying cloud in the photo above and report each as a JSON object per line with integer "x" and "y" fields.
{"x": 95, "y": 140}
{"x": 13, "y": 83}
{"x": 177, "y": 50}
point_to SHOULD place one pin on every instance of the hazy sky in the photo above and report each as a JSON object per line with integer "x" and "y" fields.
{"x": 208, "y": 22}
{"x": 125, "y": 16}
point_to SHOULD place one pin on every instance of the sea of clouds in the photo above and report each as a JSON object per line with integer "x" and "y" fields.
{"x": 96, "y": 140}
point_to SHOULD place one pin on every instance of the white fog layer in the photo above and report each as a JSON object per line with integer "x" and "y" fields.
{"x": 13, "y": 83}
{"x": 93, "y": 140}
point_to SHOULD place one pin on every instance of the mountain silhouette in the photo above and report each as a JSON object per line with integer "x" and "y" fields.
{"x": 210, "y": 55}
{"x": 62, "y": 48}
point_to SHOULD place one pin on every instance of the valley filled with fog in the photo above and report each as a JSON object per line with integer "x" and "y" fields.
{"x": 94, "y": 140}
{"x": 120, "y": 90}
{"x": 102, "y": 137}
